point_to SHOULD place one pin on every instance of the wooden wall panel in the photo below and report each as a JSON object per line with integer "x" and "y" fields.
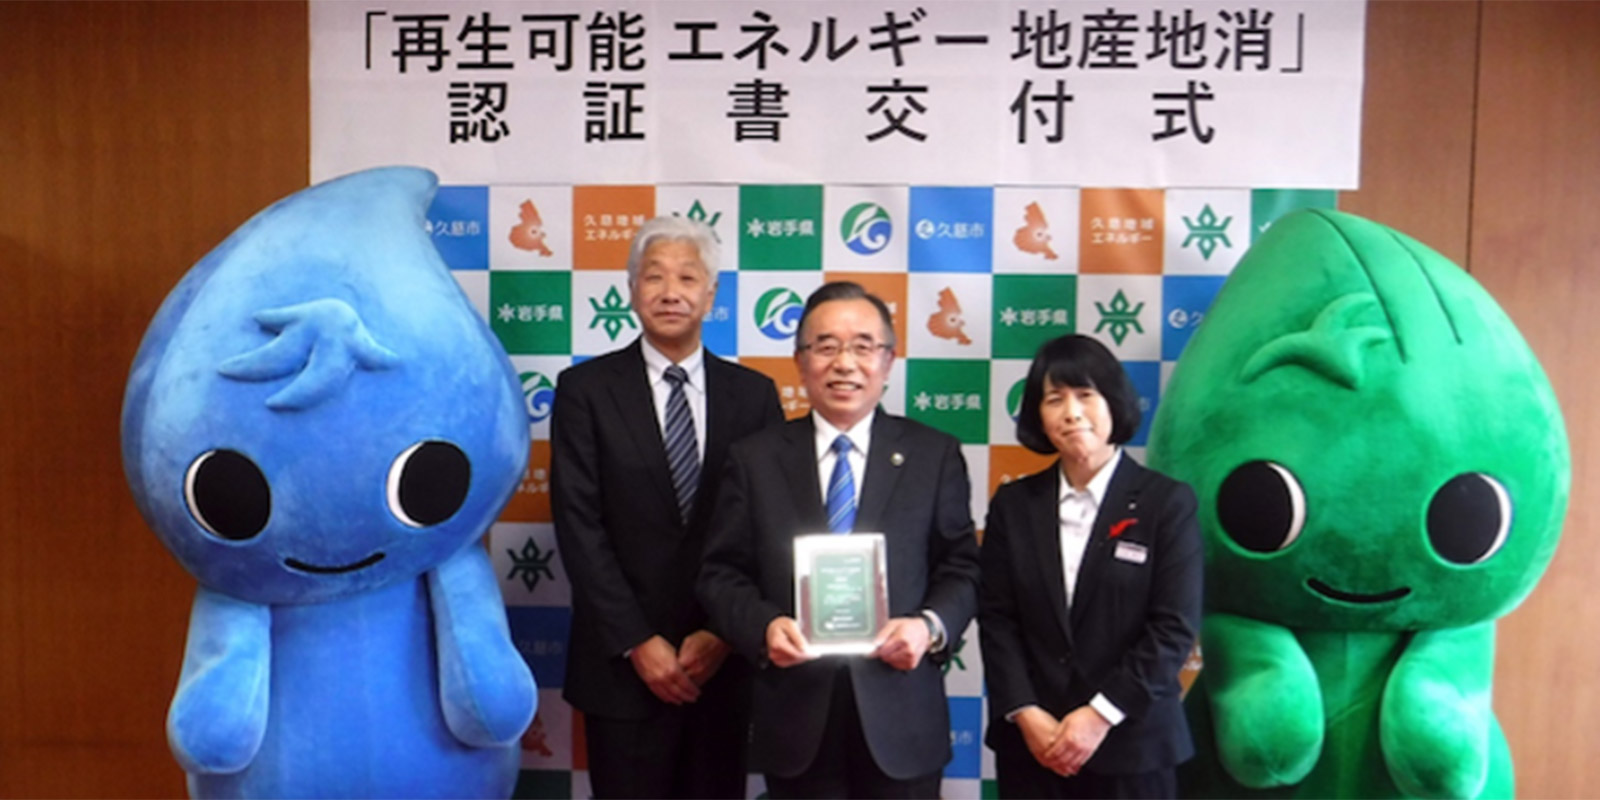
{"x": 133, "y": 138}
{"x": 1416, "y": 121}
{"x": 1536, "y": 247}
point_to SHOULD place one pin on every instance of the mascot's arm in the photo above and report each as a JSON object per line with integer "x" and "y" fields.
{"x": 487, "y": 693}
{"x": 219, "y": 713}
{"x": 1435, "y": 723}
{"x": 1266, "y": 703}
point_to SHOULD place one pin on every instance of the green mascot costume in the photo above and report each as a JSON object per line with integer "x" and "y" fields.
{"x": 1382, "y": 471}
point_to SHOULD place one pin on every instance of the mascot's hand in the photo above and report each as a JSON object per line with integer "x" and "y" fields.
{"x": 487, "y": 693}
{"x": 219, "y": 713}
{"x": 1266, "y": 704}
{"x": 1435, "y": 724}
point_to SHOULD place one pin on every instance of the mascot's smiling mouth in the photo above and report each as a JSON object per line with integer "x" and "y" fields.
{"x": 302, "y": 566}
{"x": 1351, "y": 597}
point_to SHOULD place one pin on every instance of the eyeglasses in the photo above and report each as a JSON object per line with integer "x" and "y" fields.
{"x": 829, "y": 349}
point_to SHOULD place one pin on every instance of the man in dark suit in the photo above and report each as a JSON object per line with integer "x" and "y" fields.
{"x": 638, "y": 441}
{"x": 845, "y": 726}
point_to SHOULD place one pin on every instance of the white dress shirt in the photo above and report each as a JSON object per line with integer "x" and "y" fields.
{"x": 860, "y": 439}
{"x": 694, "y": 389}
{"x": 1078, "y": 511}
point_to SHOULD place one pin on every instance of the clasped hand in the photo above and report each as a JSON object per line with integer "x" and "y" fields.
{"x": 1063, "y": 746}
{"x": 900, "y": 643}
{"x": 675, "y": 675}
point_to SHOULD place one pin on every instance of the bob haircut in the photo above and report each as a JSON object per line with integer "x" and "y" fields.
{"x": 674, "y": 228}
{"x": 1078, "y": 361}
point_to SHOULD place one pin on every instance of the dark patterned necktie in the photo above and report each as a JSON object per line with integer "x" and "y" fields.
{"x": 683, "y": 449}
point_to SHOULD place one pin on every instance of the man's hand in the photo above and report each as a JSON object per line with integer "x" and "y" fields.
{"x": 657, "y": 664}
{"x": 785, "y": 646}
{"x": 1077, "y": 737}
{"x": 902, "y": 642}
{"x": 701, "y": 655}
{"x": 1038, "y": 728}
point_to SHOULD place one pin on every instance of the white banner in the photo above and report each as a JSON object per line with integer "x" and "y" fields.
{"x": 1065, "y": 93}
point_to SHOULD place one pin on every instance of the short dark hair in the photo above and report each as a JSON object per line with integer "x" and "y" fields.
{"x": 1078, "y": 361}
{"x": 843, "y": 290}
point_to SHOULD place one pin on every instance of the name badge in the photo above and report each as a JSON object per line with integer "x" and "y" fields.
{"x": 1131, "y": 552}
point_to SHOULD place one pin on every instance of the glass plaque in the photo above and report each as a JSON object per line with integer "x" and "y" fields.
{"x": 841, "y": 591}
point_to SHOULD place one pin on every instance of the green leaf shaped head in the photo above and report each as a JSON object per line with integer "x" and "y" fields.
{"x": 1373, "y": 443}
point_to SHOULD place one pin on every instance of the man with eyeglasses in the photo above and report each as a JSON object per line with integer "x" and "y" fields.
{"x": 845, "y": 726}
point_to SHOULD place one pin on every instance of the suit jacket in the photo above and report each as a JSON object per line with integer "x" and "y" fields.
{"x": 631, "y": 557}
{"x": 1134, "y": 617}
{"x": 920, "y": 501}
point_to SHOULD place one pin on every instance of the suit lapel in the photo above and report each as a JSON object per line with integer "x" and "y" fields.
{"x": 720, "y": 405}
{"x": 1044, "y": 524}
{"x": 799, "y": 461}
{"x": 1120, "y": 503}
{"x": 636, "y": 412}
{"x": 882, "y": 472}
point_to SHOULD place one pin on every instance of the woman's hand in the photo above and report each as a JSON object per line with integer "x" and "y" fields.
{"x": 1077, "y": 738}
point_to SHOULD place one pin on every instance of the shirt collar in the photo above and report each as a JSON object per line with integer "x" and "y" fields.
{"x": 860, "y": 434}
{"x": 656, "y": 363}
{"x": 1096, "y": 490}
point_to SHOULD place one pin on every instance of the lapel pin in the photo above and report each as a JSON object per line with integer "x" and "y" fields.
{"x": 896, "y": 459}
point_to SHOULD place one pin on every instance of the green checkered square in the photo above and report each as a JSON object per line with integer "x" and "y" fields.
{"x": 1030, "y": 310}
{"x": 531, "y": 312}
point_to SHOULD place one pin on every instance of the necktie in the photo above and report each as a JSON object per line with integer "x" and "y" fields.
{"x": 683, "y": 449}
{"x": 841, "y": 489}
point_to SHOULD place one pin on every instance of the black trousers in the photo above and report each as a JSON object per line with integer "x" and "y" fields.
{"x": 696, "y": 750}
{"x": 844, "y": 767}
{"x": 1018, "y": 775}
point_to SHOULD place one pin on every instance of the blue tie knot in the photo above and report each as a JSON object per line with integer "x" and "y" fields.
{"x": 842, "y": 445}
{"x": 677, "y": 376}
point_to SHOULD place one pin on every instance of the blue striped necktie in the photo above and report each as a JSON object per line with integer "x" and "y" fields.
{"x": 683, "y": 449}
{"x": 841, "y": 489}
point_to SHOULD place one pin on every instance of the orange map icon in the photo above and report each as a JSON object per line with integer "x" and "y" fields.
{"x": 1034, "y": 237}
{"x": 528, "y": 233}
{"x": 947, "y": 322}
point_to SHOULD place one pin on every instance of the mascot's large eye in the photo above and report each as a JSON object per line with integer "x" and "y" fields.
{"x": 228, "y": 495}
{"x": 1262, "y": 507}
{"x": 428, "y": 483}
{"x": 1468, "y": 518}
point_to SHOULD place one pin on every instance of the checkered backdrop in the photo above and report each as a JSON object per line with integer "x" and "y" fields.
{"x": 975, "y": 277}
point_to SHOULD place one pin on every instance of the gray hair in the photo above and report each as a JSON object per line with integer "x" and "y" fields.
{"x": 675, "y": 228}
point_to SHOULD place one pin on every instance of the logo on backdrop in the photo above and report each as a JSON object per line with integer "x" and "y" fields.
{"x": 612, "y": 314}
{"x": 531, "y": 565}
{"x": 1014, "y": 398}
{"x": 1120, "y": 317}
{"x": 538, "y": 394}
{"x": 534, "y": 740}
{"x": 1034, "y": 236}
{"x": 947, "y": 322}
{"x": 778, "y": 313}
{"x": 697, "y": 212}
{"x": 1183, "y": 318}
{"x": 866, "y": 228}
{"x": 528, "y": 233}
{"x": 1207, "y": 232}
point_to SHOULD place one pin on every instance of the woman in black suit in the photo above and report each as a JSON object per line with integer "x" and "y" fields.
{"x": 1090, "y": 595}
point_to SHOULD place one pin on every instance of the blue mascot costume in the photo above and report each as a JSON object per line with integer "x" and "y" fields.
{"x": 320, "y": 428}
